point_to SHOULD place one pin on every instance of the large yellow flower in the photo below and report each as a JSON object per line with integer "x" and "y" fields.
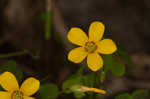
{"x": 90, "y": 47}
{"x": 10, "y": 84}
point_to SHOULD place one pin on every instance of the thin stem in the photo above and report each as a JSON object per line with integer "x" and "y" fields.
{"x": 13, "y": 54}
{"x": 19, "y": 53}
{"x": 45, "y": 78}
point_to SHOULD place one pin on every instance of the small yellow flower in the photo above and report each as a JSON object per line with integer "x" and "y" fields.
{"x": 87, "y": 89}
{"x": 90, "y": 47}
{"x": 9, "y": 83}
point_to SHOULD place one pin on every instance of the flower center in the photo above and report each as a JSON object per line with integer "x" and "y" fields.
{"x": 17, "y": 95}
{"x": 90, "y": 47}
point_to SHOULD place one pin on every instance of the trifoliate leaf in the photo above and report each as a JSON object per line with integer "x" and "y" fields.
{"x": 111, "y": 63}
{"x": 108, "y": 62}
{"x": 122, "y": 51}
{"x": 118, "y": 68}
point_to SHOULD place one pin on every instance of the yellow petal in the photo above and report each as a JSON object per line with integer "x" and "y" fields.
{"x": 30, "y": 86}
{"x": 5, "y": 95}
{"x": 8, "y": 81}
{"x": 77, "y": 36}
{"x": 26, "y": 97}
{"x": 86, "y": 89}
{"x": 94, "y": 61}
{"x": 77, "y": 55}
{"x": 106, "y": 46}
{"x": 96, "y": 31}
{"x": 98, "y": 90}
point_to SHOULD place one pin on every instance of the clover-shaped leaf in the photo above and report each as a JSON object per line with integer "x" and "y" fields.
{"x": 111, "y": 63}
{"x": 123, "y": 53}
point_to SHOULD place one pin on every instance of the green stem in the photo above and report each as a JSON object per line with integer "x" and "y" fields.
{"x": 48, "y": 26}
{"x": 45, "y": 78}
{"x": 13, "y": 54}
{"x": 19, "y": 54}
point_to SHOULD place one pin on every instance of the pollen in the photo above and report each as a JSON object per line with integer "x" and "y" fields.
{"x": 90, "y": 47}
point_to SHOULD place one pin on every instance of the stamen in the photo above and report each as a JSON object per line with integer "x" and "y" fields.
{"x": 90, "y": 47}
{"x": 17, "y": 95}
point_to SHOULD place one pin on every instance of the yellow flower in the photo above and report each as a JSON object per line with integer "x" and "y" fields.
{"x": 10, "y": 84}
{"x": 86, "y": 89}
{"x": 90, "y": 47}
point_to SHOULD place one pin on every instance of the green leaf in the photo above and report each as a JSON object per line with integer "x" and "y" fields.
{"x": 11, "y": 66}
{"x": 124, "y": 96}
{"x": 49, "y": 91}
{"x": 114, "y": 65}
{"x": 118, "y": 68}
{"x": 75, "y": 79}
{"x": 122, "y": 51}
{"x": 140, "y": 94}
{"x": 89, "y": 80}
{"x": 79, "y": 95}
{"x": 71, "y": 82}
{"x": 75, "y": 88}
{"x": 108, "y": 62}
